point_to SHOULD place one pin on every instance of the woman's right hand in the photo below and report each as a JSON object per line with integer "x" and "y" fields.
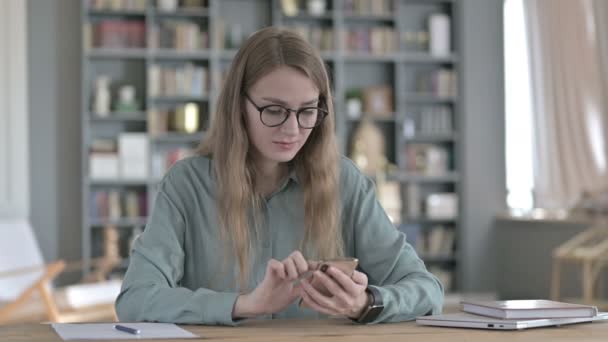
{"x": 276, "y": 291}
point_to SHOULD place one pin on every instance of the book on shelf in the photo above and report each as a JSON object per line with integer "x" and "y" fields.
{"x": 117, "y": 204}
{"x": 179, "y": 35}
{"x": 103, "y": 159}
{"x": 367, "y": 7}
{"x": 441, "y": 83}
{"x": 434, "y": 242}
{"x": 428, "y": 120}
{"x": 115, "y": 34}
{"x": 427, "y": 159}
{"x": 183, "y": 80}
{"x": 321, "y": 38}
{"x": 441, "y": 206}
{"x": 528, "y": 309}
{"x": 371, "y": 40}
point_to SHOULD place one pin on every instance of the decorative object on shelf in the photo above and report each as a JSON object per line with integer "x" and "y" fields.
{"x": 102, "y": 96}
{"x": 378, "y": 101}
{"x": 186, "y": 118}
{"x": 289, "y": 7}
{"x": 167, "y": 5}
{"x": 442, "y": 206}
{"x": 316, "y": 7}
{"x": 126, "y": 99}
{"x": 353, "y": 103}
{"x": 439, "y": 34}
{"x": 368, "y": 148}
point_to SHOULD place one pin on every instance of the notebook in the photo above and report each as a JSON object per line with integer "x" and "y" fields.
{"x": 107, "y": 331}
{"x": 528, "y": 309}
{"x": 467, "y": 320}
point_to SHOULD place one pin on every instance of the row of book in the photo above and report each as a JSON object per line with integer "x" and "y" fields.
{"x": 181, "y": 80}
{"x": 126, "y": 157}
{"x": 441, "y": 83}
{"x": 433, "y": 206}
{"x": 115, "y": 33}
{"x": 118, "y": 204}
{"x": 367, "y": 7}
{"x": 372, "y": 40}
{"x": 321, "y": 38}
{"x": 117, "y": 5}
{"x": 186, "y": 118}
{"x": 432, "y": 242}
{"x": 427, "y": 159}
{"x": 429, "y": 120}
{"x": 179, "y": 35}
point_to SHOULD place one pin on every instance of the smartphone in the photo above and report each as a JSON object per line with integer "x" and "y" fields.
{"x": 346, "y": 265}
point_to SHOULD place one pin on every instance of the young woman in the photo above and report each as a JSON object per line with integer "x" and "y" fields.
{"x": 267, "y": 195}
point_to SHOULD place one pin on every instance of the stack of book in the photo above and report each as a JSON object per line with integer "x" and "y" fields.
{"x": 515, "y": 315}
{"x": 528, "y": 309}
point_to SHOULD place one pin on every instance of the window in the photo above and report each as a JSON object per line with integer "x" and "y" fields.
{"x": 518, "y": 109}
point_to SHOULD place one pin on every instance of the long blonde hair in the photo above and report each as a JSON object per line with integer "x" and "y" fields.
{"x": 316, "y": 164}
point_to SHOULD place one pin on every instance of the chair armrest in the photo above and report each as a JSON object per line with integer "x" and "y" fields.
{"x": 50, "y": 270}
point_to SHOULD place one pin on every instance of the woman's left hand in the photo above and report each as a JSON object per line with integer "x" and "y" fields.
{"x": 347, "y": 295}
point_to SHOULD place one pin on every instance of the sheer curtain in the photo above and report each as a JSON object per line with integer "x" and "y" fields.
{"x": 568, "y": 99}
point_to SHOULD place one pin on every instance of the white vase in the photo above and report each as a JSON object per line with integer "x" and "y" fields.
{"x": 102, "y": 96}
{"x": 167, "y": 5}
{"x": 439, "y": 32}
{"x": 316, "y": 7}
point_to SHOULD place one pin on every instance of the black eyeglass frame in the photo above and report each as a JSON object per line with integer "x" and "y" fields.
{"x": 321, "y": 113}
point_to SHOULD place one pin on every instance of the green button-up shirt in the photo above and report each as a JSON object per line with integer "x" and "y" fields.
{"x": 178, "y": 272}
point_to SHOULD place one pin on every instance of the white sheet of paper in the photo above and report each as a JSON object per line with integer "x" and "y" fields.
{"x": 106, "y": 331}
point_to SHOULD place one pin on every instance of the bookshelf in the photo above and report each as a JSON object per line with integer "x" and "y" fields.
{"x": 380, "y": 44}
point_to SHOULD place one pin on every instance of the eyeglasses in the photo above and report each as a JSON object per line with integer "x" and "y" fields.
{"x": 275, "y": 115}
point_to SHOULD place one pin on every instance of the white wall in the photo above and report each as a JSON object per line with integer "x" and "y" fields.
{"x": 14, "y": 169}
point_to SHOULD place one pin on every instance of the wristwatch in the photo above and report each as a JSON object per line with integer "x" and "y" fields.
{"x": 375, "y": 307}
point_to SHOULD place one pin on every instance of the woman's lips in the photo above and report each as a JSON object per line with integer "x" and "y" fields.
{"x": 285, "y": 145}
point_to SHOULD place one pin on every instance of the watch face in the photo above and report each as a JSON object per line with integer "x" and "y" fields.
{"x": 372, "y": 314}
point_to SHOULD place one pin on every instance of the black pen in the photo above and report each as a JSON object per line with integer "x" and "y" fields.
{"x": 126, "y": 329}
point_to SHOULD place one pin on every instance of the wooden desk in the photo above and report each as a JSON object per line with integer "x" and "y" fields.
{"x": 335, "y": 330}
